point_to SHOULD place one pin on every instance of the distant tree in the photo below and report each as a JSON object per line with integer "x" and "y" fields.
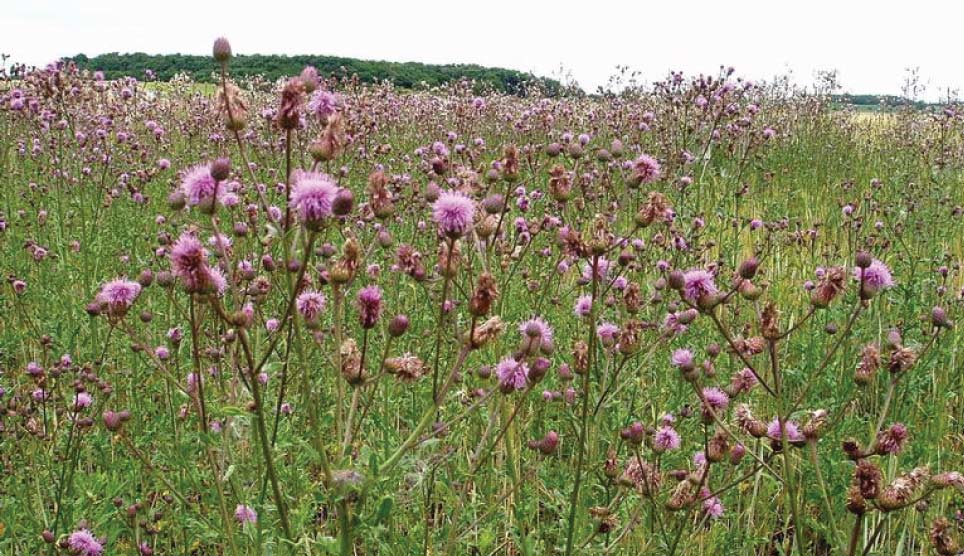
{"x": 272, "y": 67}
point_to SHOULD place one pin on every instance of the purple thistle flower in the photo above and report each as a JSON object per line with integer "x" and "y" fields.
{"x": 536, "y": 328}
{"x": 369, "y": 306}
{"x": 646, "y": 169}
{"x": 310, "y": 304}
{"x": 791, "y": 427}
{"x": 666, "y": 439}
{"x": 199, "y": 185}
{"x": 83, "y": 543}
{"x": 682, "y": 358}
{"x": 513, "y": 375}
{"x": 118, "y": 295}
{"x": 607, "y": 333}
{"x": 698, "y": 283}
{"x": 453, "y": 212}
{"x": 82, "y": 400}
{"x": 712, "y": 505}
{"x": 602, "y": 269}
{"x": 323, "y": 104}
{"x": 583, "y": 306}
{"x": 312, "y": 196}
{"x": 876, "y": 276}
{"x": 245, "y": 514}
{"x": 893, "y": 439}
{"x": 715, "y": 398}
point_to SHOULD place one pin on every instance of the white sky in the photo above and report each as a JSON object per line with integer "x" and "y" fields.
{"x": 870, "y": 43}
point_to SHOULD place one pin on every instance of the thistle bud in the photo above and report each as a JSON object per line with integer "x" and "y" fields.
{"x": 939, "y": 318}
{"x": 343, "y": 202}
{"x": 222, "y": 50}
{"x": 749, "y": 267}
{"x": 863, "y": 259}
{"x": 398, "y": 326}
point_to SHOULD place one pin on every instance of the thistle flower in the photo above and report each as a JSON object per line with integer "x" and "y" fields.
{"x": 712, "y": 506}
{"x": 715, "y": 398}
{"x": 83, "y": 543}
{"x": 369, "y": 306}
{"x": 323, "y": 104}
{"x": 697, "y": 285}
{"x": 874, "y": 278}
{"x": 682, "y": 358}
{"x": 583, "y": 306}
{"x": 292, "y": 97}
{"x": 892, "y": 439}
{"x": 453, "y": 212}
{"x": 245, "y": 514}
{"x": 222, "y": 50}
{"x": 537, "y": 332}
{"x": 645, "y": 170}
{"x": 607, "y": 332}
{"x": 513, "y": 375}
{"x": 641, "y": 475}
{"x": 310, "y": 305}
{"x": 791, "y": 429}
{"x": 313, "y": 195}
{"x": 199, "y": 186}
{"x": 117, "y": 296}
{"x": 407, "y": 368}
{"x": 666, "y": 439}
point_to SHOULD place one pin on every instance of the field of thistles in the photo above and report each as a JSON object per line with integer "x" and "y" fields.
{"x": 318, "y": 317}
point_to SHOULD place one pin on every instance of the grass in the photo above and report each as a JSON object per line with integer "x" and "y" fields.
{"x": 460, "y": 474}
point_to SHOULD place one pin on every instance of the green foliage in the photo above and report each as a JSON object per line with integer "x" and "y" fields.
{"x": 274, "y": 66}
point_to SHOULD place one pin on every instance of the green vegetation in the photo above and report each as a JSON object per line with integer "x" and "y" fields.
{"x": 272, "y": 67}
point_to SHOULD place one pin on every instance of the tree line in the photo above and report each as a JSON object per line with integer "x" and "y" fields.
{"x": 403, "y": 74}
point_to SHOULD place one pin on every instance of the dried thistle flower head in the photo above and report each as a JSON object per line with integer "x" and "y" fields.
{"x": 232, "y": 107}
{"x": 351, "y": 368}
{"x": 942, "y": 537}
{"x": 902, "y": 490}
{"x": 292, "y": 99}
{"x": 486, "y": 332}
{"x": 868, "y": 365}
{"x": 406, "y": 368}
{"x": 485, "y": 294}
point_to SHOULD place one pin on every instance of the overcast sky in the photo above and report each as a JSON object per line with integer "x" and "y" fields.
{"x": 869, "y": 43}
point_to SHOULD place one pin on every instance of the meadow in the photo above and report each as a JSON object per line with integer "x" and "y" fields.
{"x": 709, "y": 316}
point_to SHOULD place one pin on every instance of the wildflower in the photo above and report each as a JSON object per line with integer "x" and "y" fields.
{"x": 245, "y": 514}
{"x": 645, "y": 170}
{"x": 323, "y": 104}
{"x": 369, "y": 306}
{"x": 453, "y": 212}
{"x": 310, "y": 305}
{"x": 715, "y": 398}
{"x": 873, "y": 278}
{"x": 222, "y": 50}
{"x": 313, "y": 195}
{"x": 117, "y": 296}
{"x": 698, "y": 284}
{"x": 513, "y": 375}
{"x": 666, "y": 439}
{"x": 537, "y": 332}
{"x": 682, "y": 358}
{"x": 892, "y": 439}
{"x": 791, "y": 429}
{"x": 83, "y": 543}
{"x": 583, "y": 306}
{"x": 607, "y": 333}
{"x": 199, "y": 186}
{"x": 712, "y": 505}
{"x": 406, "y": 368}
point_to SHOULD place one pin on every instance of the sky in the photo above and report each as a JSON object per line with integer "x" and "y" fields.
{"x": 870, "y": 44}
